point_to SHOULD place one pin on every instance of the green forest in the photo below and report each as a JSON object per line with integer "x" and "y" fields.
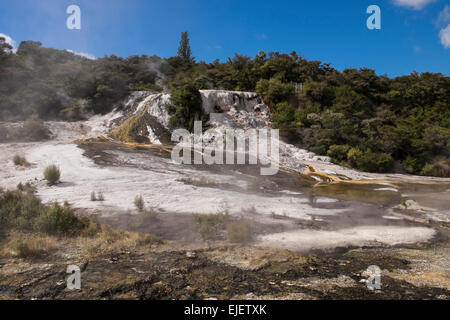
{"x": 360, "y": 119}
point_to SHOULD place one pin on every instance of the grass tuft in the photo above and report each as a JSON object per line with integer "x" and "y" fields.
{"x": 52, "y": 174}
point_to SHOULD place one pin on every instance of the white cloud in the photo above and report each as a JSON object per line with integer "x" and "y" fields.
{"x": 9, "y": 41}
{"x": 82, "y": 54}
{"x": 444, "y": 16}
{"x": 444, "y": 35}
{"x": 413, "y": 4}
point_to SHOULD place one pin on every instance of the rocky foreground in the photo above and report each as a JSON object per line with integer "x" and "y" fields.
{"x": 119, "y": 266}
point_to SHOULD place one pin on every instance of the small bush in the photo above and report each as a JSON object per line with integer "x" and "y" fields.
{"x": 24, "y": 211}
{"x": 412, "y": 165}
{"x": 187, "y": 106}
{"x": 92, "y": 227}
{"x": 52, "y": 174}
{"x": 59, "y": 220}
{"x": 239, "y": 231}
{"x": 97, "y": 197}
{"x": 369, "y": 161}
{"x": 27, "y": 187}
{"x": 149, "y": 239}
{"x": 437, "y": 169}
{"x": 208, "y": 225}
{"x": 139, "y": 203}
{"x": 338, "y": 152}
{"x": 20, "y": 161}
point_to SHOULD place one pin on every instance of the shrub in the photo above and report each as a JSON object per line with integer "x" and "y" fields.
{"x": 438, "y": 169}
{"x": 375, "y": 162}
{"x": 186, "y": 106}
{"x": 369, "y": 161}
{"x": 52, "y": 174}
{"x": 208, "y": 225}
{"x": 58, "y": 220}
{"x": 412, "y": 165}
{"x": 338, "y": 152}
{"x": 98, "y": 197}
{"x": 18, "y": 210}
{"x": 139, "y": 203}
{"x": 27, "y": 187}
{"x": 92, "y": 227}
{"x": 239, "y": 231}
{"x": 353, "y": 155}
{"x": 284, "y": 116}
{"x": 149, "y": 239}
{"x": 274, "y": 90}
{"x": 20, "y": 161}
{"x": 25, "y": 212}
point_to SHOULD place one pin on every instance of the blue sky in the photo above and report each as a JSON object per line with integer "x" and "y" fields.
{"x": 414, "y": 35}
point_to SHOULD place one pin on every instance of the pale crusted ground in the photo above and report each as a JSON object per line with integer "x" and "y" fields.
{"x": 158, "y": 181}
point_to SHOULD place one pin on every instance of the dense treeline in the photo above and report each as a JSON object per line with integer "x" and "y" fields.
{"x": 360, "y": 119}
{"x": 53, "y": 83}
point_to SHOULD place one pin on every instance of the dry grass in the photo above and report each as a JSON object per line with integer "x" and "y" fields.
{"x": 112, "y": 240}
{"x": 28, "y": 246}
{"x": 20, "y": 161}
{"x": 148, "y": 239}
{"x": 201, "y": 182}
{"x": 239, "y": 231}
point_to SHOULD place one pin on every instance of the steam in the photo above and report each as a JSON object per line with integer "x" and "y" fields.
{"x": 9, "y": 41}
{"x": 83, "y": 54}
{"x": 158, "y": 66}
